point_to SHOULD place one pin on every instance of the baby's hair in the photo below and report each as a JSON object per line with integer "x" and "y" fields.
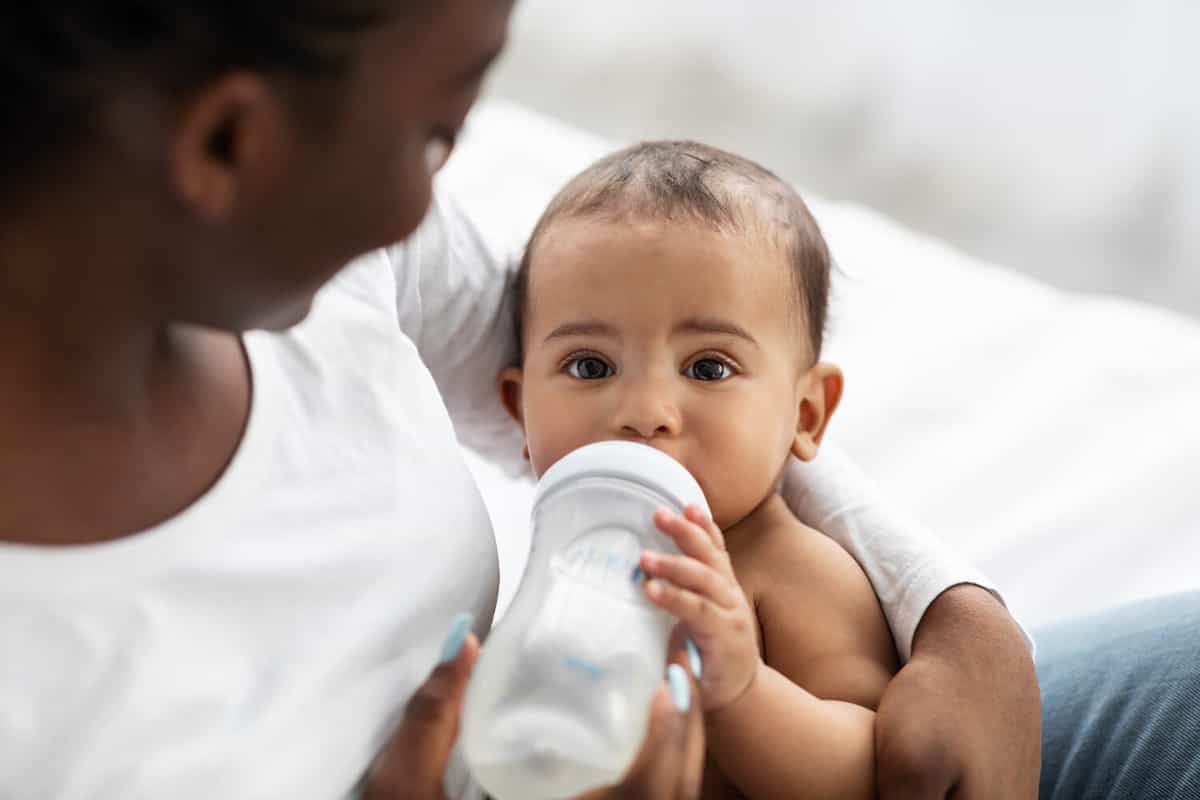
{"x": 59, "y": 59}
{"x": 687, "y": 182}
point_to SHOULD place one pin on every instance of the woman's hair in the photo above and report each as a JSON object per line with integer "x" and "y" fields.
{"x": 60, "y": 59}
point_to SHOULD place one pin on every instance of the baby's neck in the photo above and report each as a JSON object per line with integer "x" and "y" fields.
{"x": 769, "y": 515}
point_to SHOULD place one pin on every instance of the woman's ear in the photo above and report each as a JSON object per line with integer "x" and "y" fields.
{"x": 819, "y": 398}
{"x": 231, "y": 134}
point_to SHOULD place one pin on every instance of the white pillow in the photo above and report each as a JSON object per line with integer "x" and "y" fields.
{"x": 1054, "y": 437}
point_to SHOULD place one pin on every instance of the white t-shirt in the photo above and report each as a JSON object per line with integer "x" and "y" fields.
{"x": 262, "y": 643}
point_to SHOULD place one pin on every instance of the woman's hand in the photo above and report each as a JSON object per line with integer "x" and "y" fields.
{"x": 963, "y": 717}
{"x": 412, "y": 764}
{"x": 671, "y": 763}
{"x": 700, "y": 589}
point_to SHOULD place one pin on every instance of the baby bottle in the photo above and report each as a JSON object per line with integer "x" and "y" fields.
{"x": 559, "y": 702}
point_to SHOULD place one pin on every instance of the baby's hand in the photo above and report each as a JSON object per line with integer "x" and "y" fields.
{"x": 700, "y": 589}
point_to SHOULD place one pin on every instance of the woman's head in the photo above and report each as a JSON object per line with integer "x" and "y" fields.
{"x": 237, "y": 152}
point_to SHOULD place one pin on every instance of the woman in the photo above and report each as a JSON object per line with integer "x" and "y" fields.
{"x": 231, "y": 556}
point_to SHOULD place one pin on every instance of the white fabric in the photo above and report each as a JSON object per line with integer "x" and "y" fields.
{"x": 262, "y": 643}
{"x": 455, "y": 301}
{"x": 508, "y": 167}
{"x": 1050, "y": 436}
{"x": 908, "y": 565}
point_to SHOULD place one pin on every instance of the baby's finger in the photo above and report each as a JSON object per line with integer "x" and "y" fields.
{"x": 693, "y": 514}
{"x": 697, "y": 612}
{"x": 688, "y": 573}
{"x": 691, "y": 539}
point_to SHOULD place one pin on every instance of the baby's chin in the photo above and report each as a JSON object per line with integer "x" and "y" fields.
{"x": 731, "y": 513}
{"x": 726, "y": 511}
{"x": 727, "y": 519}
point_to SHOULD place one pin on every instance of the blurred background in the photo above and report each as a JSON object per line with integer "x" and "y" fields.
{"x": 1060, "y": 139}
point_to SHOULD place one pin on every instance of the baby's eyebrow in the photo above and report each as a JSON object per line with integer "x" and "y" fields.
{"x": 583, "y": 328}
{"x": 714, "y": 325}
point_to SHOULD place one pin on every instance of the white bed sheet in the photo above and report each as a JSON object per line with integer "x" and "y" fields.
{"x": 1053, "y": 437}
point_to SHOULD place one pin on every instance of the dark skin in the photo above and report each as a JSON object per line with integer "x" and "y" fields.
{"x": 130, "y": 268}
{"x": 963, "y": 718}
{"x": 134, "y": 388}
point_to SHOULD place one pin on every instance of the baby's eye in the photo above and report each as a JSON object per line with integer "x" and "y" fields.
{"x": 589, "y": 368}
{"x": 708, "y": 369}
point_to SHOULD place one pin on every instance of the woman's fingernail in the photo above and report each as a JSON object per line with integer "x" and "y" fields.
{"x": 681, "y": 690}
{"x": 456, "y": 638}
{"x": 694, "y": 659}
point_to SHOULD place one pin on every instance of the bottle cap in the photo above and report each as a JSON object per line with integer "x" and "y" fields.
{"x": 629, "y": 461}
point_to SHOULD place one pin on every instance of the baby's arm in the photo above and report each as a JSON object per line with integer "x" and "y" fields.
{"x": 821, "y": 628}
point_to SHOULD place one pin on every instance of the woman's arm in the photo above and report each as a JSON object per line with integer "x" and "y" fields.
{"x": 454, "y": 300}
{"x": 964, "y": 713}
{"x": 908, "y": 566}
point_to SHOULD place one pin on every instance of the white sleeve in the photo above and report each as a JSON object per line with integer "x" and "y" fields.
{"x": 908, "y": 566}
{"x": 454, "y": 300}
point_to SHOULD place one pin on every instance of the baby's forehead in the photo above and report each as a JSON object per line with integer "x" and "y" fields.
{"x": 585, "y": 253}
{"x": 568, "y": 241}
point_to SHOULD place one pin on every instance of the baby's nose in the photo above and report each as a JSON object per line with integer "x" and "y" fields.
{"x": 647, "y": 413}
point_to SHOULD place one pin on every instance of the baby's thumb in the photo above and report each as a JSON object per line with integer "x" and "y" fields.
{"x": 413, "y": 762}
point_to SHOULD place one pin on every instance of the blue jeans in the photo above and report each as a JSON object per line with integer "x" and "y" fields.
{"x": 1121, "y": 703}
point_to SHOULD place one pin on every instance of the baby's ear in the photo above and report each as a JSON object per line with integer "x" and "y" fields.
{"x": 820, "y": 393}
{"x": 509, "y": 383}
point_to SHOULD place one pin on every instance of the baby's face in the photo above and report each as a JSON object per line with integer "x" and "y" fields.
{"x": 671, "y": 335}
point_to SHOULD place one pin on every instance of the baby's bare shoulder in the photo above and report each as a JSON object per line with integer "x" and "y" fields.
{"x": 821, "y": 622}
{"x": 787, "y": 555}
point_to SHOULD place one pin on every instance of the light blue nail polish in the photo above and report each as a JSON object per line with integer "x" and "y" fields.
{"x": 681, "y": 690}
{"x": 694, "y": 659}
{"x": 457, "y": 637}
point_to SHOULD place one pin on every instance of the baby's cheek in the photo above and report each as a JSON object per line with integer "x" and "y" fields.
{"x": 732, "y": 497}
{"x": 552, "y": 437}
{"x": 743, "y": 472}
{"x": 733, "y": 488}
{"x": 541, "y": 455}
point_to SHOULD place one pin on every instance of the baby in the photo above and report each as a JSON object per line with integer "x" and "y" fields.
{"x": 675, "y": 295}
